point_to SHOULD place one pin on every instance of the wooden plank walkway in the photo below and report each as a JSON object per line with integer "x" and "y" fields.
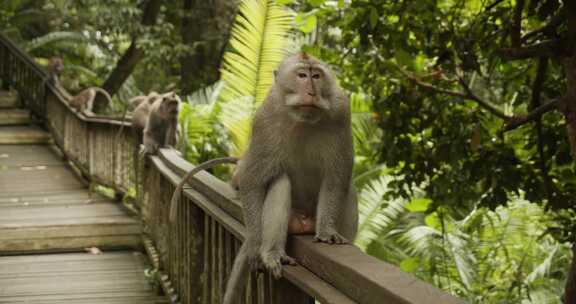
{"x": 48, "y": 220}
{"x": 45, "y": 206}
{"x": 109, "y": 278}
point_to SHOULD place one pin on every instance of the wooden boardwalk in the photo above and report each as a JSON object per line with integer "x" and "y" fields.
{"x": 48, "y": 223}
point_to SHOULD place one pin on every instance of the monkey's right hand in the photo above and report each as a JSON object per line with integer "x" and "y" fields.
{"x": 274, "y": 259}
{"x": 329, "y": 236}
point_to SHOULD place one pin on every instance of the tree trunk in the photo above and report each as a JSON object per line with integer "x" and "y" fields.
{"x": 129, "y": 60}
{"x": 205, "y": 28}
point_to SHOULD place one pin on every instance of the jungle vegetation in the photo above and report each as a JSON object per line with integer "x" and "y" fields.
{"x": 464, "y": 113}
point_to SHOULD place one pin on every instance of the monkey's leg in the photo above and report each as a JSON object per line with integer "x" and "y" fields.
{"x": 171, "y": 134}
{"x": 151, "y": 146}
{"x": 331, "y": 203}
{"x": 348, "y": 221}
{"x": 238, "y": 277}
{"x": 275, "y": 218}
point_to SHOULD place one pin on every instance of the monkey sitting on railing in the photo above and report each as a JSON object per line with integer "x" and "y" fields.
{"x": 82, "y": 102}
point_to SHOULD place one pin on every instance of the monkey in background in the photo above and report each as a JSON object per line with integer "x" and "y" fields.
{"x": 300, "y": 157}
{"x": 55, "y": 68}
{"x": 84, "y": 101}
{"x": 134, "y": 102}
{"x": 299, "y": 222}
{"x": 155, "y": 122}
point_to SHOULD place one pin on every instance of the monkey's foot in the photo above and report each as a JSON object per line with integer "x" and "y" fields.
{"x": 330, "y": 238}
{"x": 274, "y": 260}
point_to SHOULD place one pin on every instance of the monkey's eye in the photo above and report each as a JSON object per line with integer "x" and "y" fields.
{"x": 302, "y": 75}
{"x": 316, "y": 76}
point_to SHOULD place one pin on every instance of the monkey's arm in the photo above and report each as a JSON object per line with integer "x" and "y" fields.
{"x": 203, "y": 166}
{"x": 334, "y": 191}
{"x": 152, "y": 131}
{"x": 171, "y": 133}
{"x": 275, "y": 219}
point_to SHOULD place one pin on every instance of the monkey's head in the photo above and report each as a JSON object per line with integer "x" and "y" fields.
{"x": 307, "y": 87}
{"x": 56, "y": 65}
{"x": 170, "y": 105}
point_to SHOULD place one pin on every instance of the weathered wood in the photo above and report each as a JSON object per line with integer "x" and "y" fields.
{"x": 44, "y": 206}
{"x": 112, "y": 277}
{"x": 14, "y": 117}
{"x": 28, "y": 155}
{"x": 8, "y": 99}
{"x": 17, "y": 135}
{"x": 364, "y": 278}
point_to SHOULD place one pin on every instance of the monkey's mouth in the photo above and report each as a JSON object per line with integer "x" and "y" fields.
{"x": 307, "y": 107}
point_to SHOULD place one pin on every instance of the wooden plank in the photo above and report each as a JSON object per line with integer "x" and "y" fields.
{"x": 34, "y": 213}
{"x": 112, "y": 277}
{"x": 70, "y": 243}
{"x": 364, "y": 278}
{"x": 14, "y": 117}
{"x": 122, "y": 227}
{"x": 43, "y": 178}
{"x": 12, "y": 135}
{"x": 9, "y": 100}
{"x": 23, "y": 155}
{"x": 68, "y": 198}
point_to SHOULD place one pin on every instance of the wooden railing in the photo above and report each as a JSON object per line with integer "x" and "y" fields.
{"x": 193, "y": 255}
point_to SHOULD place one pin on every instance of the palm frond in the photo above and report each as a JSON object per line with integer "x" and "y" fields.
{"x": 542, "y": 270}
{"x": 236, "y": 116}
{"x": 376, "y": 215}
{"x": 259, "y": 38}
{"x": 54, "y": 37}
{"x": 206, "y": 95}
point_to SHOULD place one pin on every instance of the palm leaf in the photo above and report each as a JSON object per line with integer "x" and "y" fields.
{"x": 54, "y": 37}
{"x": 259, "y": 39}
{"x": 376, "y": 215}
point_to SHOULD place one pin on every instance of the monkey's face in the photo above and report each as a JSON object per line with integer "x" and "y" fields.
{"x": 304, "y": 97}
{"x": 170, "y": 105}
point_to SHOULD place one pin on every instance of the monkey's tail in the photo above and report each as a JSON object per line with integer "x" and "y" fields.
{"x": 124, "y": 113}
{"x": 237, "y": 279}
{"x": 103, "y": 92}
{"x": 203, "y": 166}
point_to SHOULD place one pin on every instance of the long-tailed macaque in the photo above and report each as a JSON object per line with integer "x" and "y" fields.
{"x": 155, "y": 122}
{"x": 299, "y": 222}
{"x": 84, "y": 101}
{"x": 300, "y": 157}
{"x": 55, "y": 68}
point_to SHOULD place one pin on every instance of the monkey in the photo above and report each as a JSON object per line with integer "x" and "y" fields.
{"x": 162, "y": 123}
{"x": 154, "y": 124}
{"x": 299, "y": 222}
{"x": 55, "y": 68}
{"x": 300, "y": 157}
{"x": 84, "y": 101}
{"x": 155, "y": 121}
{"x": 134, "y": 102}
{"x": 201, "y": 167}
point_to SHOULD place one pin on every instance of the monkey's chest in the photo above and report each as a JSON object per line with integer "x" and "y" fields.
{"x": 305, "y": 179}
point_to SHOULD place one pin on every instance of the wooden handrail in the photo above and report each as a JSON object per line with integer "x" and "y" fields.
{"x": 193, "y": 255}
{"x": 356, "y": 275}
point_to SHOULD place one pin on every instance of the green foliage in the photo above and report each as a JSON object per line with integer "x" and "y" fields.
{"x": 259, "y": 38}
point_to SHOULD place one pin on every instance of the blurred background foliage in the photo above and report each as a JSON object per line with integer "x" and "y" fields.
{"x": 446, "y": 193}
